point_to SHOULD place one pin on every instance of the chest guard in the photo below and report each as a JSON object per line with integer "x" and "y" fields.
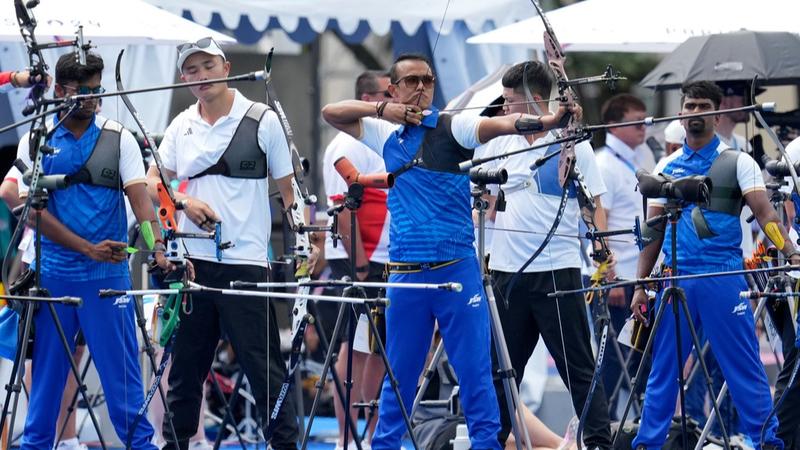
{"x": 244, "y": 157}
{"x": 726, "y": 196}
{"x": 102, "y": 167}
{"x": 439, "y": 150}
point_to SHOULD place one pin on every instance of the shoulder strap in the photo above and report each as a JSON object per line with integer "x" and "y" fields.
{"x": 102, "y": 166}
{"x": 244, "y": 157}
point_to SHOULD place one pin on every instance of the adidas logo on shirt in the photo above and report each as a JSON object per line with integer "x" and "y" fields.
{"x": 188, "y": 132}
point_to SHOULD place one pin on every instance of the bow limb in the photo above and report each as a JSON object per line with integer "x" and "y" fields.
{"x": 295, "y": 214}
{"x": 37, "y": 66}
{"x": 597, "y": 280}
{"x": 296, "y": 211}
{"x": 567, "y": 171}
{"x": 167, "y": 205}
{"x": 556, "y": 60}
{"x": 774, "y": 137}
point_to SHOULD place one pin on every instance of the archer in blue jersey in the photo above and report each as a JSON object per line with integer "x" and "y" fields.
{"x": 431, "y": 240}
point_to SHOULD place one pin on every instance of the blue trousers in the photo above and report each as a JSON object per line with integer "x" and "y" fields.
{"x": 727, "y": 322}
{"x": 696, "y": 391}
{"x": 108, "y": 325}
{"x": 463, "y": 319}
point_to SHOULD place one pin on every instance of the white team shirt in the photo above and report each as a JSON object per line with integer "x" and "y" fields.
{"x": 191, "y": 145}
{"x": 366, "y": 161}
{"x": 528, "y": 209}
{"x": 622, "y": 200}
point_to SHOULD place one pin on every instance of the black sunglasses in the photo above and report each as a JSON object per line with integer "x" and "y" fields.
{"x": 412, "y": 81}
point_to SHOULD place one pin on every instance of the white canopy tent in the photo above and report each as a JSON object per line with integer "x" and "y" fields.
{"x": 125, "y": 22}
{"x": 148, "y": 35}
{"x": 379, "y": 14}
{"x": 645, "y": 25}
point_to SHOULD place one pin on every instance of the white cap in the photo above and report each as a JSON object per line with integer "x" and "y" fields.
{"x": 204, "y": 45}
{"x": 674, "y": 133}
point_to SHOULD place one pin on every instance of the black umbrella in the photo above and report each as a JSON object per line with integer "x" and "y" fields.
{"x": 738, "y": 56}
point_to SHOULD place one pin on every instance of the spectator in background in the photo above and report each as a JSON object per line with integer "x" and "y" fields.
{"x": 674, "y": 135}
{"x": 734, "y": 94}
{"x": 618, "y": 161}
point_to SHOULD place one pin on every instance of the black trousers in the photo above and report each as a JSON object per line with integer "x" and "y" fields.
{"x": 244, "y": 321}
{"x": 612, "y": 366}
{"x": 789, "y": 412}
{"x": 531, "y": 314}
{"x": 329, "y": 310}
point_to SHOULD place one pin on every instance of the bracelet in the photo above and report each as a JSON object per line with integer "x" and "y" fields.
{"x": 362, "y": 269}
{"x": 380, "y": 107}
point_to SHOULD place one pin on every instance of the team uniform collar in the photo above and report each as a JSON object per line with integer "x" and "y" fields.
{"x": 707, "y": 152}
{"x": 62, "y": 131}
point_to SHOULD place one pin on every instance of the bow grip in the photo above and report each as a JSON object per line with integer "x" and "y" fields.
{"x": 166, "y": 209}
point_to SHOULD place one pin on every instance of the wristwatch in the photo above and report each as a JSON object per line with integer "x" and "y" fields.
{"x": 362, "y": 269}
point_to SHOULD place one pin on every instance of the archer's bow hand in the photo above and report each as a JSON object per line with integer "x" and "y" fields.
{"x": 313, "y": 257}
{"x": 162, "y": 262}
{"x": 639, "y": 305}
{"x": 200, "y": 214}
{"x": 551, "y": 121}
{"x": 306, "y": 262}
{"x": 24, "y": 79}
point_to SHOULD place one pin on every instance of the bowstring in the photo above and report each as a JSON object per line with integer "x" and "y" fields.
{"x": 558, "y": 315}
{"x": 124, "y": 217}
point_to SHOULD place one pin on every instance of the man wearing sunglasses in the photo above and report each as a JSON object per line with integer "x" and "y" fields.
{"x": 84, "y": 230}
{"x": 225, "y": 146}
{"x": 372, "y": 239}
{"x": 432, "y": 239}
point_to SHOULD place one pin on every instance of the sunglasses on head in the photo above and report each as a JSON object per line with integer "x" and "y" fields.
{"x": 201, "y": 43}
{"x": 412, "y": 81}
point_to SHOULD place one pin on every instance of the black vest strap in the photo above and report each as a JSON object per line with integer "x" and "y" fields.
{"x": 439, "y": 150}
{"x": 244, "y": 157}
{"x": 726, "y": 196}
{"x": 102, "y": 166}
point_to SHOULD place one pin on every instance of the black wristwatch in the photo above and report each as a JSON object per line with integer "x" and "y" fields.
{"x": 362, "y": 269}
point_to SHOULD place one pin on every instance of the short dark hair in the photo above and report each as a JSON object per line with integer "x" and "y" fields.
{"x": 539, "y": 78}
{"x": 407, "y": 57}
{"x": 614, "y": 109}
{"x": 69, "y": 69}
{"x": 367, "y": 82}
{"x": 702, "y": 89}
